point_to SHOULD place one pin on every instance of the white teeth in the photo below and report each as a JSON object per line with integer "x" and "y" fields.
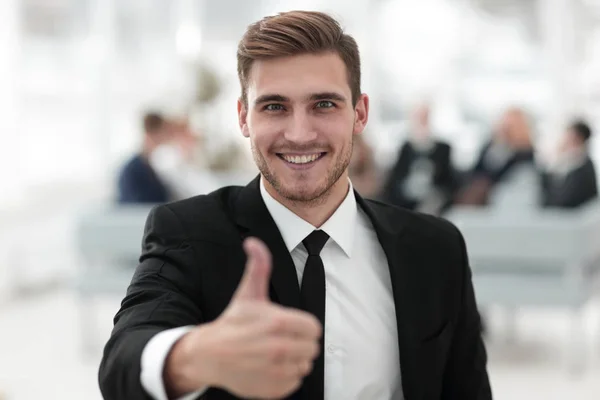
{"x": 304, "y": 159}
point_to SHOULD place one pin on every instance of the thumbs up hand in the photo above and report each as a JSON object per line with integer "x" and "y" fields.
{"x": 254, "y": 285}
{"x": 255, "y": 349}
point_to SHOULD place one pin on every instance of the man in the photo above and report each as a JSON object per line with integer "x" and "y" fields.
{"x": 294, "y": 286}
{"x": 422, "y": 177}
{"x": 138, "y": 181}
{"x": 509, "y": 150}
{"x": 571, "y": 179}
{"x": 178, "y": 163}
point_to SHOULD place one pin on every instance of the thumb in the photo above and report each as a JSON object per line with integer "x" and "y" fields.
{"x": 255, "y": 282}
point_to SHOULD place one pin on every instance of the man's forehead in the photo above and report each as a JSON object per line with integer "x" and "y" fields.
{"x": 299, "y": 76}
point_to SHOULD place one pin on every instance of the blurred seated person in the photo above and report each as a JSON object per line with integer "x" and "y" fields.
{"x": 181, "y": 162}
{"x": 570, "y": 179}
{"x": 422, "y": 178}
{"x": 138, "y": 181}
{"x": 362, "y": 169}
{"x": 509, "y": 148}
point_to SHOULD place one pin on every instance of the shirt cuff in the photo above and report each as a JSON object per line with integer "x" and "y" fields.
{"x": 153, "y": 362}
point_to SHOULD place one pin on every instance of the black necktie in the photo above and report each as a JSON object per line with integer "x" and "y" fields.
{"x": 312, "y": 295}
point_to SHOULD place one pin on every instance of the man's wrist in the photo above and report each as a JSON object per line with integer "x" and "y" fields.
{"x": 187, "y": 365}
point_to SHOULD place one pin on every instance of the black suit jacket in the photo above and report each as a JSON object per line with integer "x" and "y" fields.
{"x": 572, "y": 190}
{"x": 192, "y": 262}
{"x": 521, "y": 157}
{"x": 139, "y": 183}
{"x": 443, "y": 175}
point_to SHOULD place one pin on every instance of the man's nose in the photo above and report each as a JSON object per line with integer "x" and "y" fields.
{"x": 300, "y": 129}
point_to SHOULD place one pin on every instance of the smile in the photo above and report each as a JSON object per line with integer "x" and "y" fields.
{"x": 302, "y": 158}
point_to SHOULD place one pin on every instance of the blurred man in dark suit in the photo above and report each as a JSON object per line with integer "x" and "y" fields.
{"x": 570, "y": 181}
{"x": 422, "y": 177}
{"x": 510, "y": 148}
{"x": 138, "y": 180}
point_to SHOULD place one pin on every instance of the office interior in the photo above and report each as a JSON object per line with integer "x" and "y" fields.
{"x": 77, "y": 78}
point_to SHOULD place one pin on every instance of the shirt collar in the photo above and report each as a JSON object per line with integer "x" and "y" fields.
{"x": 340, "y": 226}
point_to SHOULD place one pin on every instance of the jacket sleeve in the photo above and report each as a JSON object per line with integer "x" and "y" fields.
{"x": 466, "y": 375}
{"x": 162, "y": 295}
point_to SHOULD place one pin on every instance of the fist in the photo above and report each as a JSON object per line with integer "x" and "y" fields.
{"x": 260, "y": 349}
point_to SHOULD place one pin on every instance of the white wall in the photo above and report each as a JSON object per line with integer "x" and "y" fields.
{"x": 71, "y": 106}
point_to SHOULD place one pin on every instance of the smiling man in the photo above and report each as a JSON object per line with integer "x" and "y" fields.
{"x": 295, "y": 286}
{"x": 301, "y": 116}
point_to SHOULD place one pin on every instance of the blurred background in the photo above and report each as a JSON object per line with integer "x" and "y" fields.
{"x": 482, "y": 111}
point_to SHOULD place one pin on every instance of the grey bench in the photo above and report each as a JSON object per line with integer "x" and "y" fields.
{"x": 109, "y": 245}
{"x": 531, "y": 257}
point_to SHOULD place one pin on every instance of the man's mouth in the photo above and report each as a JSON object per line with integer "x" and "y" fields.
{"x": 301, "y": 158}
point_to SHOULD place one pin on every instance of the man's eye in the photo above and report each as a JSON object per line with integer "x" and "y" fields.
{"x": 325, "y": 104}
{"x": 274, "y": 107}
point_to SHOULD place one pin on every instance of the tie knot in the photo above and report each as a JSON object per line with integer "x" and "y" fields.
{"x": 315, "y": 241}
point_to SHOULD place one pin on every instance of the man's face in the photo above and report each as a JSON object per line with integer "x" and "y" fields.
{"x": 570, "y": 141}
{"x": 421, "y": 122}
{"x": 301, "y": 123}
{"x": 161, "y": 136}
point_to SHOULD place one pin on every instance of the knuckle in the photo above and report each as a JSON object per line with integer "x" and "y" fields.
{"x": 314, "y": 350}
{"x": 306, "y": 367}
{"x": 278, "y": 351}
{"x": 294, "y": 385}
{"x": 313, "y": 326}
{"x": 277, "y": 323}
{"x": 318, "y": 328}
{"x": 279, "y": 374}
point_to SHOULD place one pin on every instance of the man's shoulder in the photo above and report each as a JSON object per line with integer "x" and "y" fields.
{"x": 221, "y": 200}
{"x": 418, "y": 224}
{"x": 434, "y": 241}
{"x": 441, "y": 144}
{"x": 207, "y": 214}
{"x": 133, "y": 165}
{"x": 589, "y": 165}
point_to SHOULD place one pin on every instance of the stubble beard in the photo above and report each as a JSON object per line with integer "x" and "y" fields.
{"x": 305, "y": 198}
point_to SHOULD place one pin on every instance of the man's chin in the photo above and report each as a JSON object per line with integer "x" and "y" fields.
{"x": 300, "y": 193}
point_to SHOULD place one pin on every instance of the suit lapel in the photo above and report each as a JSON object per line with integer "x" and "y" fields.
{"x": 254, "y": 219}
{"x": 252, "y": 216}
{"x": 389, "y": 226}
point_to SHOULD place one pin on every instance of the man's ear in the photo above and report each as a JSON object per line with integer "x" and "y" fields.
{"x": 243, "y": 118}
{"x": 361, "y": 114}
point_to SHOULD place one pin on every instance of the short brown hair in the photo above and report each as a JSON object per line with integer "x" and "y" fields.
{"x": 153, "y": 122}
{"x": 294, "y": 33}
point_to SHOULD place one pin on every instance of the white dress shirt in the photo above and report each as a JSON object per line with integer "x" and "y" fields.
{"x": 361, "y": 338}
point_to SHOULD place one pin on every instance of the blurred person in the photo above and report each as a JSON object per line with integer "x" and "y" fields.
{"x": 180, "y": 162}
{"x": 570, "y": 179}
{"x": 229, "y": 299}
{"x": 510, "y": 148}
{"x": 422, "y": 177}
{"x": 138, "y": 181}
{"x": 362, "y": 169}
{"x": 189, "y": 141}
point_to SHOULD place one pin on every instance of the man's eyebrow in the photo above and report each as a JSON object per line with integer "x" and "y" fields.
{"x": 267, "y": 98}
{"x": 326, "y": 96}
{"x": 277, "y": 98}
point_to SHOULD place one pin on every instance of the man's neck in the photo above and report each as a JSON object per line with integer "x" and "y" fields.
{"x": 316, "y": 212}
{"x": 147, "y": 148}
